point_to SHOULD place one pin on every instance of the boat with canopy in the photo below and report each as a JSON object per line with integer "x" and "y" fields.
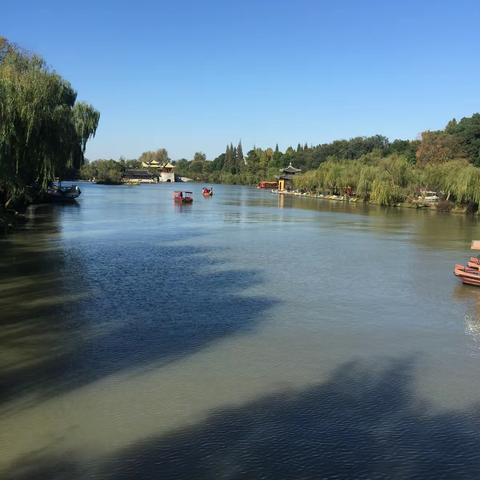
{"x": 181, "y": 196}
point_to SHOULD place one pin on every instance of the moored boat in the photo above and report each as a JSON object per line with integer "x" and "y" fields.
{"x": 266, "y": 184}
{"x": 57, "y": 193}
{"x": 207, "y": 192}
{"x": 470, "y": 274}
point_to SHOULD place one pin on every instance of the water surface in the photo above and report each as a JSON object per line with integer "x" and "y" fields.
{"x": 244, "y": 336}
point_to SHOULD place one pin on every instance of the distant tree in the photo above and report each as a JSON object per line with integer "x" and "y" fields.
{"x": 197, "y": 165}
{"x": 408, "y": 148}
{"x": 438, "y": 147}
{"x": 240, "y": 157}
{"x": 451, "y": 126}
{"x": 467, "y": 132}
{"x": 235, "y": 167}
{"x": 218, "y": 163}
{"x": 199, "y": 157}
{"x": 102, "y": 171}
{"x": 228, "y": 161}
{"x": 277, "y": 157}
{"x": 160, "y": 155}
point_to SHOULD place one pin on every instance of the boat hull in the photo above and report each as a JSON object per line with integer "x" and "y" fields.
{"x": 469, "y": 276}
{"x": 63, "y": 195}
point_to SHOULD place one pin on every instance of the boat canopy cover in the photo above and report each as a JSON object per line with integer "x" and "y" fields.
{"x": 475, "y": 245}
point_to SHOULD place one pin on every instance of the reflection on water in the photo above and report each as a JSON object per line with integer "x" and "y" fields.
{"x": 246, "y": 335}
{"x": 471, "y": 297}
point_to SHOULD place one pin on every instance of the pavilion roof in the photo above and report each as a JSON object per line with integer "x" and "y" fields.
{"x": 290, "y": 169}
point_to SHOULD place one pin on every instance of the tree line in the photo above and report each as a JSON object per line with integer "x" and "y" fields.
{"x": 371, "y": 168}
{"x": 43, "y": 128}
{"x": 445, "y": 161}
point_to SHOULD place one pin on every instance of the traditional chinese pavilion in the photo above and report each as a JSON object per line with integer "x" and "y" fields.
{"x": 286, "y": 176}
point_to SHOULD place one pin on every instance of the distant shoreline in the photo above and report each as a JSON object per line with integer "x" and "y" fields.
{"x": 439, "y": 207}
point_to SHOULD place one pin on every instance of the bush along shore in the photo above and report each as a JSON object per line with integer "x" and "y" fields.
{"x": 43, "y": 129}
{"x": 393, "y": 181}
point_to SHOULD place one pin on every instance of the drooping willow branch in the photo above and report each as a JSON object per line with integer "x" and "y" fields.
{"x": 43, "y": 130}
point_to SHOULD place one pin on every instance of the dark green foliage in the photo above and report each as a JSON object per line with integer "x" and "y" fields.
{"x": 103, "y": 171}
{"x": 240, "y": 158}
{"x": 43, "y": 130}
{"x": 467, "y": 131}
{"x": 160, "y": 156}
{"x": 407, "y": 148}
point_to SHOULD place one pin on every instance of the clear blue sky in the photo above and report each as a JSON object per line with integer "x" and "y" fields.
{"x": 195, "y": 75}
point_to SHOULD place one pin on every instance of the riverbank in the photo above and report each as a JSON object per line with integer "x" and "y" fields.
{"x": 442, "y": 206}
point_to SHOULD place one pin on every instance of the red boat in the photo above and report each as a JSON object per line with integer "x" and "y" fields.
{"x": 182, "y": 197}
{"x": 207, "y": 192}
{"x": 474, "y": 265}
{"x": 265, "y": 184}
{"x": 470, "y": 274}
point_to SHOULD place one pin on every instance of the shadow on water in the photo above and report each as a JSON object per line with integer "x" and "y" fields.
{"x": 75, "y": 313}
{"x": 364, "y": 422}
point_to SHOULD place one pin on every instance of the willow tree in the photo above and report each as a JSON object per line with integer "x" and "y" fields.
{"x": 366, "y": 177}
{"x": 43, "y": 130}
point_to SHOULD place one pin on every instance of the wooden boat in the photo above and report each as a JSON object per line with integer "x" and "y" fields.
{"x": 57, "y": 193}
{"x": 265, "y": 184}
{"x": 182, "y": 197}
{"x": 207, "y": 192}
{"x": 470, "y": 274}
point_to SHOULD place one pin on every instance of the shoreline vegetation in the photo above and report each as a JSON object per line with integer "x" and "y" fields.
{"x": 443, "y": 164}
{"x": 440, "y": 170}
{"x": 43, "y": 130}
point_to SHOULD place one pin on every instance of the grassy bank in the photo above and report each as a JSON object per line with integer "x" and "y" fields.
{"x": 393, "y": 180}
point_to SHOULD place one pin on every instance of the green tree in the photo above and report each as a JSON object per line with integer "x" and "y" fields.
{"x": 43, "y": 130}
{"x": 199, "y": 157}
{"x": 160, "y": 156}
{"x": 438, "y": 147}
{"x": 240, "y": 157}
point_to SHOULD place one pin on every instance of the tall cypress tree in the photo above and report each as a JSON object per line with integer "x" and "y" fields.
{"x": 227, "y": 166}
{"x": 234, "y": 168}
{"x": 240, "y": 157}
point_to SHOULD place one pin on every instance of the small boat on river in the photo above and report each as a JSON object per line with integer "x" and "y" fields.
{"x": 57, "y": 193}
{"x": 470, "y": 274}
{"x": 269, "y": 185}
{"x": 207, "y": 192}
{"x": 182, "y": 197}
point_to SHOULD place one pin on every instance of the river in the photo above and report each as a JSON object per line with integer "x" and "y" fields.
{"x": 243, "y": 336}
